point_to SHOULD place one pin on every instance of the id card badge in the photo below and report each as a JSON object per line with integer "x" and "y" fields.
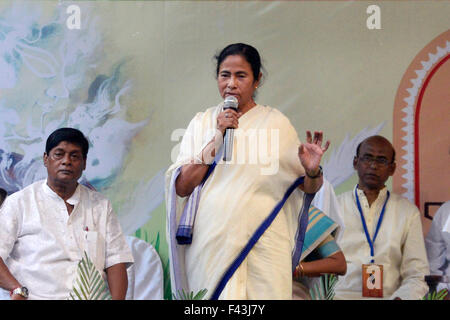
{"x": 372, "y": 280}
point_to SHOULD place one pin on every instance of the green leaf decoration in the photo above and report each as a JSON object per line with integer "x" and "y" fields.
{"x": 183, "y": 295}
{"x": 167, "y": 285}
{"x": 156, "y": 243}
{"x": 89, "y": 284}
{"x": 436, "y": 295}
{"x": 324, "y": 290}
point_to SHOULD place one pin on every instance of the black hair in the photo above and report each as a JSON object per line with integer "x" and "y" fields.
{"x": 381, "y": 137}
{"x": 250, "y": 54}
{"x": 71, "y": 135}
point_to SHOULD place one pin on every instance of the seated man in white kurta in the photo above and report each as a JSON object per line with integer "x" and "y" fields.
{"x": 437, "y": 243}
{"x": 397, "y": 244}
{"x": 47, "y": 227}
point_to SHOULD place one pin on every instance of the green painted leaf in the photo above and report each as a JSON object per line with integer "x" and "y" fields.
{"x": 440, "y": 295}
{"x": 183, "y": 295}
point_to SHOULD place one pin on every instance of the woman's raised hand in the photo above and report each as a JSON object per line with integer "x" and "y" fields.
{"x": 310, "y": 153}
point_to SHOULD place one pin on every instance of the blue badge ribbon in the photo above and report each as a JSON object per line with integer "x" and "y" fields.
{"x": 371, "y": 241}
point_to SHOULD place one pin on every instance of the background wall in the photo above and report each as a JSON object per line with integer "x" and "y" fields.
{"x": 135, "y": 71}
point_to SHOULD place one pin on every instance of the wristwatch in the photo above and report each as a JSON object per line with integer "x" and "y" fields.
{"x": 21, "y": 291}
{"x": 319, "y": 173}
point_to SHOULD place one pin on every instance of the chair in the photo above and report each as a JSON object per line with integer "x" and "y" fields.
{"x": 145, "y": 276}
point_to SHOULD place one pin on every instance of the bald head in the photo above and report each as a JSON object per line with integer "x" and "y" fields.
{"x": 377, "y": 139}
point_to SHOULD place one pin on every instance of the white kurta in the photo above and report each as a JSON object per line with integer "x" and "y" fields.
{"x": 437, "y": 243}
{"x": 236, "y": 198}
{"x": 399, "y": 246}
{"x": 42, "y": 245}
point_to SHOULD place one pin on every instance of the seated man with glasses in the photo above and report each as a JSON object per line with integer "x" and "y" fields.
{"x": 382, "y": 241}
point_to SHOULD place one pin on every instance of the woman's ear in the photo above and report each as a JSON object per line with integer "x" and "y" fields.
{"x": 258, "y": 80}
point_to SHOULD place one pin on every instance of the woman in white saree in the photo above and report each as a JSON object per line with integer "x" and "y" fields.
{"x": 239, "y": 194}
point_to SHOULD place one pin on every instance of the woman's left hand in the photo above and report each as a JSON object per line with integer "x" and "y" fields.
{"x": 310, "y": 153}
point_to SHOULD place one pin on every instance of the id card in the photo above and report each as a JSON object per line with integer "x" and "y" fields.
{"x": 372, "y": 280}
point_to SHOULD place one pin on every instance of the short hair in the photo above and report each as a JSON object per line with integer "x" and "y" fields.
{"x": 250, "y": 54}
{"x": 71, "y": 135}
{"x": 381, "y": 137}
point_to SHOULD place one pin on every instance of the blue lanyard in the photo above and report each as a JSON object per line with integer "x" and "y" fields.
{"x": 371, "y": 241}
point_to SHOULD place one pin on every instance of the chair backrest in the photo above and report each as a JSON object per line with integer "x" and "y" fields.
{"x": 146, "y": 275}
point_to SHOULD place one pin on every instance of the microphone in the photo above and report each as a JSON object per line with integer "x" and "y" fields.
{"x": 230, "y": 103}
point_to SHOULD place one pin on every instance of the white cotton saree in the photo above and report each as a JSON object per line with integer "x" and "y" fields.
{"x": 234, "y": 200}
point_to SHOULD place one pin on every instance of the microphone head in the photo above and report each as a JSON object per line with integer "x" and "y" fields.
{"x": 230, "y": 102}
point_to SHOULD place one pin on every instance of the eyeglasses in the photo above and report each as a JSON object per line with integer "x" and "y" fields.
{"x": 378, "y": 160}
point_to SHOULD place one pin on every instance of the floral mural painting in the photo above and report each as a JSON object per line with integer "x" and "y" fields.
{"x": 59, "y": 70}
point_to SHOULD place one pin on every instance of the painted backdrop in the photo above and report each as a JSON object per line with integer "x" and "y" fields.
{"x": 131, "y": 74}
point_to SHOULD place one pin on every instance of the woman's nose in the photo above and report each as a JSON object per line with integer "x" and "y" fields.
{"x": 231, "y": 82}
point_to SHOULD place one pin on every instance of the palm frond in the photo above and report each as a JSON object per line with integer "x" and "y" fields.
{"x": 89, "y": 284}
{"x": 200, "y": 294}
{"x": 436, "y": 295}
{"x": 183, "y": 295}
{"x": 324, "y": 290}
